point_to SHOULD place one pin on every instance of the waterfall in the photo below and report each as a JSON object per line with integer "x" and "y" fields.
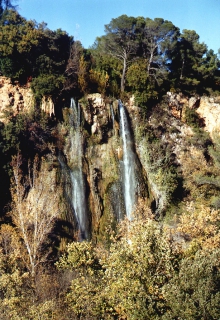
{"x": 128, "y": 163}
{"x": 79, "y": 202}
{"x": 72, "y": 117}
{"x": 78, "y": 188}
{"x": 75, "y": 136}
{"x": 112, "y": 115}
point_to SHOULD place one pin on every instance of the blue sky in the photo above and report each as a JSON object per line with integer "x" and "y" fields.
{"x": 85, "y": 19}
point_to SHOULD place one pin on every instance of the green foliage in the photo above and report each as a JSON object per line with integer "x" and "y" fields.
{"x": 193, "y": 293}
{"x": 159, "y": 39}
{"x": 158, "y": 159}
{"x": 110, "y": 69}
{"x": 13, "y": 278}
{"x": 139, "y": 54}
{"x": 141, "y": 83}
{"x": 47, "y": 85}
{"x": 6, "y": 66}
{"x": 25, "y": 132}
{"x": 124, "y": 282}
{"x": 148, "y": 270}
{"x": 11, "y": 131}
{"x": 6, "y": 4}
{"x": 120, "y": 42}
{"x": 18, "y": 41}
{"x": 153, "y": 56}
{"x": 192, "y": 118}
{"x": 146, "y": 273}
{"x": 193, "y": 66}
{"x": 31, "y": 51}
{"x": 210, "y": 177}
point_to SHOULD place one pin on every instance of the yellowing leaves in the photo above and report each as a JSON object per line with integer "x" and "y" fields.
{"x": 100, "y": 79}
{"x": 200, "y": 223}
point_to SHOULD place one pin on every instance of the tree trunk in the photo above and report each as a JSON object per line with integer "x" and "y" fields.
{"x": 182, "y": 69}
{"x": 124, "y": 72}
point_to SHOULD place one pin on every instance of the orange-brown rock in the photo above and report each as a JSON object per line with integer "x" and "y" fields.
{"x": 18, "y": 98}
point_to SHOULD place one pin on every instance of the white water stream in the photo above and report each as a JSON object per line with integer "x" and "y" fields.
{"x": 129, "y": 178}
{"x": 78, "y": 197}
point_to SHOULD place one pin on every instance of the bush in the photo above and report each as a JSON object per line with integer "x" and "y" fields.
{"x": 47, "y": 85}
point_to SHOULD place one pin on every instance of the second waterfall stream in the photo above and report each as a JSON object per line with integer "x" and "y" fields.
{"x": 129, "y": 181}
{"x": 78, "y": 196}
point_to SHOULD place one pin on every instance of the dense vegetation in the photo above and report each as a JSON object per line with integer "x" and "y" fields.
{"x": 136, "y": 55}
{"x": 153, "y": 267}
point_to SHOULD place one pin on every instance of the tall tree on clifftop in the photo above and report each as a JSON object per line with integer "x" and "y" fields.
{"x": 158, "y": 41}
{"x": 192, "y": 63}
{"x": 120, "y": 41}
{"x": 5, "y": 5}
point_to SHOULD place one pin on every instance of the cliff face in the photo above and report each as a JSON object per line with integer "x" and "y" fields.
{"x": 19, "y": 99}
{"x": 159, "y": 143}
{"x": 207, "y": 108}
{"x": 166, "y": 153}
{"x": 102, "y": 160}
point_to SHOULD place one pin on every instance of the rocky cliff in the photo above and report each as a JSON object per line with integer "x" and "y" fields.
{"x": 17, "y": 98}
{"x": 207, "y": 108}
{"x": 167, "y": 153}
{"x": 20, "y": 99}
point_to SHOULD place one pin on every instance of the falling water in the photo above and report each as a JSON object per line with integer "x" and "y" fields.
{"x": 112, "y": 115}
{"x": 79, "y": 202}
{"x": 129, "y": 178}
{"x": 78, "y": 194}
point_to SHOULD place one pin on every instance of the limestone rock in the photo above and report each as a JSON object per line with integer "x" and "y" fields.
{"x": 193, "y": 102}
{"x": 209, "y": 110}
{"x": 96, "y": 113}
{"x": 19, "y": 98}
{"x": 177, "y": 102}
{"x": 47, "y": 105}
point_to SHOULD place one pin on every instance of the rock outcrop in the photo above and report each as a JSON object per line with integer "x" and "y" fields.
{"x": 207, "y": 108}
{"x": 18, "y": 98}
{"x": 47, "y": 106}
{"x": 160, "y": 141}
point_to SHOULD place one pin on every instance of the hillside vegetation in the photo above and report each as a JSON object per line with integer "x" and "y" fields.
{"x": 165, "y": 263}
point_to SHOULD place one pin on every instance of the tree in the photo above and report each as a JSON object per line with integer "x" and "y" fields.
{"x": 210, "y": 71}
{"x": 19, "y": 40}
{"x": 124, "y": 282}
{"x": 192, "y": 64}
{"x": 14, "y": 288}
{"x": 73, "y": 67}
{"x": 159, "y": 38}
{"x": 29, "y": 50}
{"x": 34, "y": 209}
{"x": 52, "y": 52}
{"x": 105, "y": 67}
{"x": 120, "y": 42}
{"x": 191, "y": 52}
{"x": 193, "y": 293}
{"x": 4, "y": 6}
{"x": 140, "y": 83}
